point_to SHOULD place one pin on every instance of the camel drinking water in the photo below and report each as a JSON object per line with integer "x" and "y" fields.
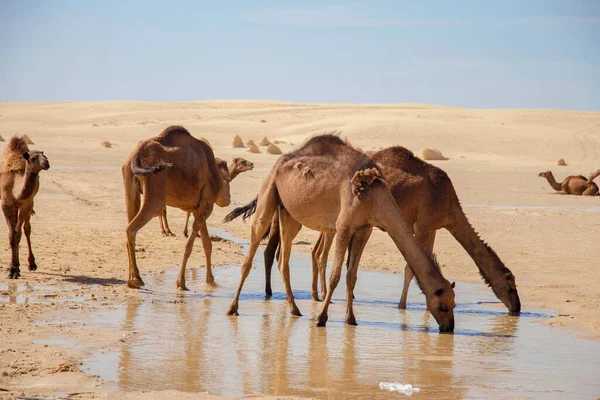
{"x": 329, "y": 186}
{"x": 177, "y": 170}
{"x": 19, "y": 183}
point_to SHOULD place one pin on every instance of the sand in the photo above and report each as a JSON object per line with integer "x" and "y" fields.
{"x": 549, "y": 241}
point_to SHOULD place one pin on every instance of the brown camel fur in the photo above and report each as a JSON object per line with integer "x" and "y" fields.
{"x": 173, "y": 169}
{"x": 19, "y": 183}
{"x": 428, "y": 202}
{"x": 573, "y": 184}
{"x": 329, "y": 186}
{"x": 237, "y": 166}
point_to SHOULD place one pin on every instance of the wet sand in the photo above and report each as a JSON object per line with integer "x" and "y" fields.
{"x": 547, "y": 240}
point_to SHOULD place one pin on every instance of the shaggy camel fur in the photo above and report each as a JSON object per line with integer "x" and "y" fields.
{"x": 19, "y": 183}
{"x": 237, "y": 166}
{"x": 329, "y": 186}
{"x": 573, "y": 184}
{"x": 428, "y": 202}
{"x": 173, "y": 169}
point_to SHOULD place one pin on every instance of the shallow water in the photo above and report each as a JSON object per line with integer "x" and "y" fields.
{"x": 184, "y": 341}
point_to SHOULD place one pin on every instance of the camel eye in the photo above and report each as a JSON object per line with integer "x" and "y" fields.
{"x": 443, "y": 308}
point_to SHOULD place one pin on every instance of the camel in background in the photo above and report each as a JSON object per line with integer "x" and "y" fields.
{"x": 329, "y": 186}
{"x": 177, "y": 170}
{"x": 19, "y": 183}
{"x": 237, "y": 166}
{"x": 573, "y": 184}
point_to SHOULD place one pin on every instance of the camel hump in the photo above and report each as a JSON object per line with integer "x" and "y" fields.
{"x": 12, "y": 158}
{"x": 18, "y": 144}
{"x": 363, "y": 179}
{"x": 174, "y": 130}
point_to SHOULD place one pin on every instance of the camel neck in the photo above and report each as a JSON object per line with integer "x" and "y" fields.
{"x": 233, "y": 172}
{"x": 555, "y": 185}
{"x": 29, "y": 185}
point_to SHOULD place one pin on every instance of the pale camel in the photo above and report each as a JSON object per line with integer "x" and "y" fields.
{"x": 237, "y": 166}
{"x": 19, "y": 183}
{"x": 573, "y": 184}
{"x": 329, "y": 186}
{"x": 177, "y": 170}
{"x": 425, "y": 195}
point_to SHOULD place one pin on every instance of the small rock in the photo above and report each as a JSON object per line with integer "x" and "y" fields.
{"x": 238, "y": 142}
{"x": 433, "y": 154}
{"x": 272, "y": 149}
{"x": 106, "y": 144}
{"x": 264, "y": 142}
{"x": 250, "y": 143}
{"x": 253, "y": 149}
{"x": 561, "y": 162}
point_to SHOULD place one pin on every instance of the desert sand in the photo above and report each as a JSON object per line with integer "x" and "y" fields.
{"x": 548, "y": 240}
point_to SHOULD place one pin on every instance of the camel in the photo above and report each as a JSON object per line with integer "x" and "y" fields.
{"x": 593, "y": 175}
{"x": 573, "y": 184}
{"x": 237, "y": 166}
{"x": 173, "y": 169}
{"x": 19, "y": 183}
{"x": 329, "y": 186}
{"x": 428, "y": 202}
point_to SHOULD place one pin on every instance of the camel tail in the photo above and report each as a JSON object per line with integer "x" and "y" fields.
{"x": 246, "y": 211}
{"x": 363, "y": 179}
{"x": 138, "y": 170}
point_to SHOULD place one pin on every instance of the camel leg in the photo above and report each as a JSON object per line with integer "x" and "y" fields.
{"x": 342, "y": 238}
{"x": 164, "y": 224}
{"x": 207, "y": 246}
{"x": 10, "y": 214}
{"x": 187, "y": 221}
{"x": 199, "y": 221}
{"x": 145, "y": 214}
{"x": 591, "y": 190}
{"x": 425, "y": 240}
{"x": 27, "y": 231}
{"x": 271, "y": 252}
{"x": 316, "y": 251}
{"x": 265, "y": 208}
{"x": 289, "y": 228}
{"x": 359, "y": 241}
{"x": 327, "y": 242}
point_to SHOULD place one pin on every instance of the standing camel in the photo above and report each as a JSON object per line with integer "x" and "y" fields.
{"x": 329, "y": 186}
{"x": 425, "y": 195}
{"x": 177, "y": 170}
{"x": 19, "y": 183}
{"x": 237, "y": 166}
{"x": 573, "y": 184}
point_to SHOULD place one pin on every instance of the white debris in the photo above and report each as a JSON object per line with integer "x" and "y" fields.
{"x": 407, "y": 389}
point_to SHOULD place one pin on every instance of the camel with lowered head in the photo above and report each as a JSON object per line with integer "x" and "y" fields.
{"x": 177, "y": 170}
{"x": 329, "y": 186}
{"x": 573, "y": 184}
{"x": 237, "y": 166}
{"x": 428, "y": 202}
{"x": 19, "y": 183}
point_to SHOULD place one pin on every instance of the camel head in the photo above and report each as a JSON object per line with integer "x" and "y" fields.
{"x": 224, "y": 195}
{"x": 544, "y": 174}
{"x": 441, "y": 305}
{"x": 36, "y": 161}
{"x": 242, "y": 165}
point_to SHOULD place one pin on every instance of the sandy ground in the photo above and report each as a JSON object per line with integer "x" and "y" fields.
{"x": 548, "y": 240}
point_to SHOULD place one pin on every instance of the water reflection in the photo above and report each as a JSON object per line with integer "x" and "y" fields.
{"x": 186, "y": 342}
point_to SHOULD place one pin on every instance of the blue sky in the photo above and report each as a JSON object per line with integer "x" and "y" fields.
{"x": 480, "y": 54}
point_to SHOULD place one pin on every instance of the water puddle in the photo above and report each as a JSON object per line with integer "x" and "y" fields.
{"x": 13, "y": 293}
{"x": 581, "y": 208}
{"x": 184, "y": 341}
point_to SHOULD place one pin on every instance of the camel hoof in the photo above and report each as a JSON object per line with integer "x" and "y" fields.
{"x": 32, "y": 266}
{"x": 268, "y": 292}
{"x": 14, "y": 273}
{"x": 351, "y": 320}
{"x": 210, "y": 279}
{"x": 135, "y": 283}
{"x": 233, "y": 310}
{"x": 182, "y": 287}
{"x": 315, "y": 296}
{"x": 295, "y": 312}
{"x": 185, "y": 233}
{"x": 168, "y": 233}
{"x": 402, "y": 306}
{"x": 321, "y": 320}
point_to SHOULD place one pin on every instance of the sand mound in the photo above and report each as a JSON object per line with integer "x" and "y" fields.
{"x": 250, "y": 143}
{"x": 253, "y": 149}
{"x": 106, "y": 144}
{"x": 263, "y": 121}
{"x": 561, "y": 162}
{"x": 272, "y": 149}
{"x": 238, "y": 142}
{"x": 27, "y": 140}
{"x": 1, "y": 138}
{"x": 205, "y": 140}
{"x": 433, "y": 154}
{"x": 264, "y": 142}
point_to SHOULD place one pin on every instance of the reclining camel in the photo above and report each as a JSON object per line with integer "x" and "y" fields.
{"x": 329, "y": 186}
{"x": 19, "y": 183}
{"x": 573, "y": 184}
{"x": 237, "y": 166}
{"x": 428, "y": 202}
{"x": 177, "y": 170}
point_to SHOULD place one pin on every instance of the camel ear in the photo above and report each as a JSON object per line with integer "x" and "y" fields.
{"x": 452, "y": 285}
{"x": 26, "y": 155}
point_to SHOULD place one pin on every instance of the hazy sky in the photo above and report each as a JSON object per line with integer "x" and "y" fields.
{"x": 484, "y": 54}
